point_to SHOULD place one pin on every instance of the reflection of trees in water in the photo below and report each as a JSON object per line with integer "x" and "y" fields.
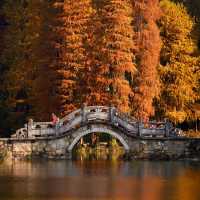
{"x": 98, "y": 167}
{"x": 98, "y": 146}
{"x": 165, "y": 169}
{"x": 100, "y": 179}
{"x": 187, "y": 185}
{"x": 145, "y": 180}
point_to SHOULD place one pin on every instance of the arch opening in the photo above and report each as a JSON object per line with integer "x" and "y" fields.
{"x": 98, "y": 144}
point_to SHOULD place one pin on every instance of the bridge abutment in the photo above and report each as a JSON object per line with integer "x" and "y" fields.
{"x": 138, "y": 149}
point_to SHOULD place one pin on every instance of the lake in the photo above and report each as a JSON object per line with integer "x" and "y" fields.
{"x": 100, "y": 180}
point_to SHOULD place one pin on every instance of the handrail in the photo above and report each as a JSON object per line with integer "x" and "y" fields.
{"x": 69, "y": 116}
{"x": 88, "y": 114}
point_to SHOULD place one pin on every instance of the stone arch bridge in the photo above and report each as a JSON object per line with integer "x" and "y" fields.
{"x": 139, "y": 140}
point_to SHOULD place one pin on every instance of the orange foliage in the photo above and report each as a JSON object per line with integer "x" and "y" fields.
{"x": 69, "y": 30}
{"x": 148, "y": 46}
{"x": 111, "y": 53}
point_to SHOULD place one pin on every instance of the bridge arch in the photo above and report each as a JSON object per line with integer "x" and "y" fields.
{"x": 99, "y": 130}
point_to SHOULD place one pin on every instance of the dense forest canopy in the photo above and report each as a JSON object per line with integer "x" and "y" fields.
{"x": 143, "y": 57}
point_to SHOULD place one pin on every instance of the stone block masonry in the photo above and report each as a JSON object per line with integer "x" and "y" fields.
{"x": 58, "y": 148}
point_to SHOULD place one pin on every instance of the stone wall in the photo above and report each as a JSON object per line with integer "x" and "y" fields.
{"x": 155, "y": 149}
{"x": 51, "y": 149}
{"x": 164, "y": 149}
{"x": 3, "y": 149}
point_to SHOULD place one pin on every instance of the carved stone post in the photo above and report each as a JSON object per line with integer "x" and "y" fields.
{"x": 111, "y": 114}
{"x": 139, "y": 132}
{"x": 167, "y": 128}
{"x": 83, "y": 114}
{"x": 29, "y": 127}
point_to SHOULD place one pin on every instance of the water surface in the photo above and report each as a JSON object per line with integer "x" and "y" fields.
{"x": 100, "y": 180}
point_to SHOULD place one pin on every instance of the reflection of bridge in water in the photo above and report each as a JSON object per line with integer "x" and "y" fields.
{"x": 96, "y": 119}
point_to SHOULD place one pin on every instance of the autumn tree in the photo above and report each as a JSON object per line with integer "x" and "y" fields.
{"x": 94, "y": 84}
{"x": 68, "y": 35}
{"x": 148, "y": 43}
{"x": 41, "y": 96}
{"x": 192, "y": 5}
{"x": 112, "y": 66}
{"x": 178, "y": 63}
{"x": 21, "y": 39}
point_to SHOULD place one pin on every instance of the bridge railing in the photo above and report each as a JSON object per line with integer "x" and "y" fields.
{"x": 132, "y": 128}
{"x": 97, "y": 114}
{"x": 94, "y": 114}
{"x": 34, "y": 130}
{"x": 82, "y": 116}
{"x": 41, "y": 129}
{"x": 70, "y": 117}
{"x": 119, "y": 120}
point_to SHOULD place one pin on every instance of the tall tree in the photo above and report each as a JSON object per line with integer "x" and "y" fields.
{"x": 41, "y": 95}
{"x": 95, "y": 80}
{"x": 179, "y": 63}
{"x": 113, "y": 68}
{"x": 18, "y": 56}
{"x": 69, "y": 33}
{"x": 147, "y": 57}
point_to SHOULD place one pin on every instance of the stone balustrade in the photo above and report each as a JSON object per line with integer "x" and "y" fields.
{"x": 95, "y": 114}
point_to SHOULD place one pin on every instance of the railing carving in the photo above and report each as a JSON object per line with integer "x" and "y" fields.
{"x": 95, "y": 114}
